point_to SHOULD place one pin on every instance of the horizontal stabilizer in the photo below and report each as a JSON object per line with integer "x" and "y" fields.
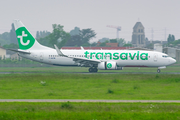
{"x": 19, "y": 51}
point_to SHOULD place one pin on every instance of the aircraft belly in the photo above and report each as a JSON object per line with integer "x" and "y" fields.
{"x": 64, "y": 61}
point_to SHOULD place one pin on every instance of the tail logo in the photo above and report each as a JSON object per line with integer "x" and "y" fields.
{"x": 21, "y": 39}
{"x": 25, "y": 39}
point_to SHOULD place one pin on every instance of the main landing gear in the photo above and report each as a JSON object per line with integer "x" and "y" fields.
{"x": 93, "y": 69}
{"x": 158, "y": 70}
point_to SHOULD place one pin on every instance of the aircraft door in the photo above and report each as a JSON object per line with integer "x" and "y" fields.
{"x": 41, "y": 56}
{"x": 155, "y": 57}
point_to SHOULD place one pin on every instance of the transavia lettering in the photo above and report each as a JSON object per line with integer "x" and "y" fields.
{"x": 116, "y": 56}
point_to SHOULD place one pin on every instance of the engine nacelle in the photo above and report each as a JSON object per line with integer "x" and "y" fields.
{"x": 111, "y": 65}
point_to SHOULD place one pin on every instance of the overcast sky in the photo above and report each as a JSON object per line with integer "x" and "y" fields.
{"x": 39, "y": 15}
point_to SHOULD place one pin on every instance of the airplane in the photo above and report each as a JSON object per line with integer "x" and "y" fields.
{"x": 94, "y": 59}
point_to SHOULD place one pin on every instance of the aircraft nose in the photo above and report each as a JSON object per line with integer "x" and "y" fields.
{"x": 173, "y": 61}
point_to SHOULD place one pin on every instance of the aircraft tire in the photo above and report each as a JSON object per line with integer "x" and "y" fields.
{"x": 95, "y": 69}
{"x": 158, "y": 70}
{"x": 90, "y": 69}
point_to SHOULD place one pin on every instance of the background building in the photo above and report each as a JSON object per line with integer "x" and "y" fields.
{"x": 158, "y": 47}
{"x": 112, "y": 44}
{"x": 170, "y": 51}
{"x": 15, "y": 56}
{"x": 177, "y": 55}
{"x": 2, "y": 53}
{"x": 138, "y": 35}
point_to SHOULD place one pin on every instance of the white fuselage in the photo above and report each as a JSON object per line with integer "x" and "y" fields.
{"x": 123, "y": 58}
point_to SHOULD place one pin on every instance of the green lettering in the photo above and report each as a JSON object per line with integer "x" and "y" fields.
{"x": 92, "y": 54}
{"x": 109, "y": 54}
{"x": 86, "y": 53}
{"x": 144, "y": 58}
{"x": 132, "y": 57}
{"x": 123, "y": 58}
{"x": 115, "y": 56}
{"x": 101, "y": 56}
{"x": 137, "y": 55}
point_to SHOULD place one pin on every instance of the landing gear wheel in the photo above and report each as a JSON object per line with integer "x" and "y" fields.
{"x": 158, "y": 70}
{"x": 90, "y": 69}
{"x": 93, "y": 69}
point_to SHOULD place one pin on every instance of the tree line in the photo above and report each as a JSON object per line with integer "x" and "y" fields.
{"x": 76, "y": 37}
{"x": 58, "y": 36}
{"x": 61, "y": 38}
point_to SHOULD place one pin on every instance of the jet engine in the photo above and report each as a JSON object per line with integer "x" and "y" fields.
{"x": 109, "y": 65}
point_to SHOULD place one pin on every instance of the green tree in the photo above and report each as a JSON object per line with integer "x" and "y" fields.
{"x": 86, "y": 35}
{"x": 44, "y": 41}
{"x": 74, "y": 40}
{"x": 9, "y": 37}
{"x": 5, "y": 38}
{"x": 103, "y": 44}
{"x": 75, "y": 31}
{"x": 42, "y": 38}
{"x": 12, "y": 35}
{"x": 37, "y": 35}
{"x": 121, "y": 42}
{"x": 41, "y": 34}
{"x": 171, "y": 38}
{"x": 127, "y": 45}
{"x": 93, "y": 44}
{"x": 81, "y": 39}
{"x": 11, "y": 46}
{"x": 58, "y": 36}
{"x": 113, "y": 40}
{"x": 176, "y": 42}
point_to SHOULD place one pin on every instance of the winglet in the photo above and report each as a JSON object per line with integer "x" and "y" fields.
{"x": 59, "y": 52}
{"x": 82, "y": 48}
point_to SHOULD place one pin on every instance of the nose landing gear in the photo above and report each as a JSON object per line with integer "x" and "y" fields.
{"x": 158, "y": 70}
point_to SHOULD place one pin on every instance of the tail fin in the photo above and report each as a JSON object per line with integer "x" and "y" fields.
{"x": 25, "y": 39}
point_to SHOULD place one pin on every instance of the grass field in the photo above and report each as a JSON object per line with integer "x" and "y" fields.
{"x": 89, "y": 111}
{"x": 83, "y": 69}
{"x": 90, "y": 86}
{"x": 51, "y": 85}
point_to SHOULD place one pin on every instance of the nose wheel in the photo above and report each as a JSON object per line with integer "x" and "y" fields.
{"x": 158, "y": 70}
{"x": 93, "y": 69}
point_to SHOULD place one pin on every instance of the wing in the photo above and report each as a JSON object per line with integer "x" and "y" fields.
{"x": 85, "y": 61}
{"x": 82, "y": 61}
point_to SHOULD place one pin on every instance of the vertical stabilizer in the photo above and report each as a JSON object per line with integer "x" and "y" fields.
{"x": 25, "y": 39}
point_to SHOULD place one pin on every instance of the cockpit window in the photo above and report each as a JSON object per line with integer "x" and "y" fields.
{"x": 165, "y": 56}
